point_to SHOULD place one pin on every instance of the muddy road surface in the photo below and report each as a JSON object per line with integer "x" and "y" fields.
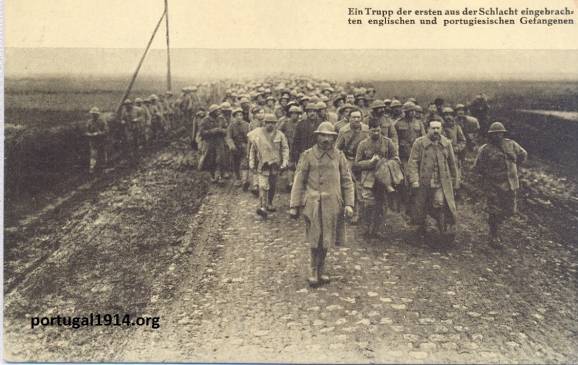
{"x": 157, "y": 240}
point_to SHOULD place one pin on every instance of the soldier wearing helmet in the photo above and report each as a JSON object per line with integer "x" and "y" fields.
{"x": 387, "y": 124}
{"x": 304, "y": 132}
{"x": 237, "y": 142}
{"x": 497, "y": 163}
{"x": 132, "y": 118}
{"x": 408, "y": 131}
{"x": 212, "y": 134}
{"x": 396, "y": 112}
{"x": 323, "y": 193}
{"x": 374, "y": 151}
{"x": 268, "y": 155}
{"x": 97, "y": 134}
{"x": 288, "y": 126}
{"x": 470, "y": 126}
{"x": 453, "y": 132}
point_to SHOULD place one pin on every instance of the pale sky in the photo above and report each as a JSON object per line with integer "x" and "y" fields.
{"x": 318, "y": 24}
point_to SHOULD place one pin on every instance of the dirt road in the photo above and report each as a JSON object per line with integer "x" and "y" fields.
{"x": 157, "y": 240}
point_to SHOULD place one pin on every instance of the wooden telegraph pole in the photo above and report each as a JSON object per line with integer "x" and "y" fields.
{"x": 135, "y": 74}
{"x": 169, "y": 82}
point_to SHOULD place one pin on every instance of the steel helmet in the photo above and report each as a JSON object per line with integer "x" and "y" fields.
{"x": 213, "y": 108}
{"x": 395, "y": 103}
{"x": 497, "y": 127}
{"x": 326, "y": 128}
{"x": 295, "y": 109}
{"x": 447, "y": 110}
{"x": 270, "y": 118}
{"x": 377, "y": 104}
{"x": 407, "y": 106}
{"x": 94, "y": 110}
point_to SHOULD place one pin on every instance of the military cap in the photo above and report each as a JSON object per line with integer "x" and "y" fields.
{"x": 408, "y": 105}
{"x": 154, "y": 97}
{"x": 295, "y": 109}
{"x": 377, "y": 104}
{"x": 213, "y": 108}
{"x": 236, "y": 110}
{"x": 336, "y": 100}
{"x": 261, "y": 90}
{"x": 435, "y": 123}
{"x": 447, "y": 110}
{"x": 418, "y": 109}
{"x": 127, "y": 101}
{"x": 361, "y": 96}
{"x": 305, "y": 98}
{"x": 138, "y": 100}
{"x": 321, "y": 105}
{"x": 185, "y": 89}
{"x": 284, "y": 96}
{"x": 324, "y": 99}
{"x": 395, "y": 103}
{"x": 387, "y": 101}
{"x": 201, "y": 113}
{"x": 311, "y": 106}
{"x": 460, "y": 106}
{"x": 170, "y": 93}
{"x": 328, "y": 88}
{"x": 326, "y": 128}
{"x": 225, "y": 106}
{"x": 413, "y": 100}
{"x": 497, "y": 127}
{"x": 347, "y": 106}
{"x": 193, "y": 88}
{"x": 256, "y": 109}
{"x": 94, "y": 110}
{"x": 270, "y": 98}
{"x": 244, "y": 100}
{"x": 270, "y": 118}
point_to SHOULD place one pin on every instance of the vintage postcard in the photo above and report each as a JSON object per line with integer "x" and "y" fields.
{"x": 216, "y": 181}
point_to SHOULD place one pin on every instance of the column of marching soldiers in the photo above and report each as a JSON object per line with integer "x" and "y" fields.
{"x": 401, "y": 157}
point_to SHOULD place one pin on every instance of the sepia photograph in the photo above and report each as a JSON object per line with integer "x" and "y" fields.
{"x": 227, "y": 181}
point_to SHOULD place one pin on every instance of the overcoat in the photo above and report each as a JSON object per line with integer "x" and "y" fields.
{"x": 322, "y": 187}
{"x": 424, "y": 154}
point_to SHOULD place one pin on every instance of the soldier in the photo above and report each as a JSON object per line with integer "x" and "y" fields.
{"x": 237, "y": 143}
{"x": 322, "y": 109}
{"x": 322, "y": 188}
{"x": 145, "y": 132}
{"x": 343, "y": 114}
{"x": 133, "y": 119}
{"x": 337, "y": 103}
{"x": 453, "y": 132}
{"x": 270, "y": 105}
{"x": 480, "y": 109}
{"x": 419, "y": 115}
{"x": 369, "y": 153}
{"x": 387, "y": 124}
{"x": 361, "y": 103}
{"x": 288, "y": 127}
{"x": 157, "y": 121}
{"x": 212, "y": 135}
{"x": 196, "y": 142}
{"x": 246, "y": 106}
{"x": 269, "y": 153}
{"x": 348, "y": 141}
{"x": 470, "y": 127}
{"x": 433, "y": 173}
{"x": 96, "y": 132}
{"x": 497, "y": 163}
{"x": 282, "y": 108}
{"x": 305, "y": 132}
{"x": 396, "y": 112}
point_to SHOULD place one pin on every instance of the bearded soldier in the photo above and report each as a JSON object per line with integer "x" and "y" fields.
{"x": 433, "y": 173}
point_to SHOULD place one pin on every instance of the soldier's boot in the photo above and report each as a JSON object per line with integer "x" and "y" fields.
{"x": 270, "y": 197}
{"x": 378, "y": 223}
{"x": 263, "y": 197}
{"x": 245, "y": 179}
{"x": 441, "y": 220}
{"x": 494, "y": 231}
{"x": 313, "y": 274}
{"x": 368, "y": 226}
{"x": 322, "y": 278}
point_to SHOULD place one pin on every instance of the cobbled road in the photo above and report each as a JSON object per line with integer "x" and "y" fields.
{"x": 233, "y": 288}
